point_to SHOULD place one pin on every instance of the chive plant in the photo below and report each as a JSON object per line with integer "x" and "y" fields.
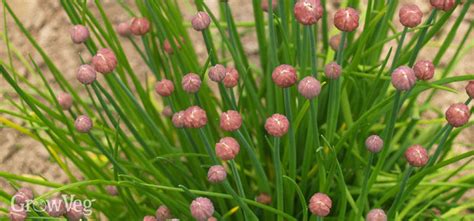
{"x": 315, "y": 128}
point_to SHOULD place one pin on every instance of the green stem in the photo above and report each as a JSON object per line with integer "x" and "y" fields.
{"x": 363, "y": 193}
{"x": 395, "y": 205}
{"x": 292, "y": 156}
{"x": 238, "y": 182}
{"x": 278, "y": 175}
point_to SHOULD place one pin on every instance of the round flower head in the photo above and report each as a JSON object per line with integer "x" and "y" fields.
{"x": 79, "y": 34}
{"x": 403, "y": 78}
{"x": 75, "y": 211}
{"x": 56, "y": 207}
{"x": 231, "y": 78}
{"x": 195, "y": 117}
{"x": 123, "y": 29}
{"x": 458, "y": 114}
{"x": 416, "y": 156}
{"x": 265, "y": 5}
{"x": 139, "y": 26}
{"x": 168, "y": 48}
{"x": 264, "y": 198}
{"x": 163, "y": 213}
{"x": 104, "y": 61}
{"x": 64, "y": 100}
{"x": 111, "y": 190}
{"x": 335, "y": 41}
{"x": 444, "y": 5}
{"x": 212, "y": 219}
{"x": 167, "y": 112}
{"x": 17, "y": 213}
{"x": 178, "y": 119}
{"x": 227, "y": 148}
{"x": 309, "y": 87}
{"x": 346, "y": 20}
{"x": 424, "y": 70}
{"x": 410, "y": 15}
{"x": 200, "y": 21}
{"x": 23, "y": 195}
{"x": 83, "y": 124}
{"x": 308, "y": 12}
{"x": 149, "y": 218}
{"x": 217, "y": 73}
{"x": 230, "y": 120}
{"x": 320, "y": 204}
{"x": 216, "y": 174}
{"x": 284, "y": 76}
{"x": 191, "y": 83}
{"x": 202, "y": 208}
{"x": 376, "y": 215}
{"x": 470, "y": 89}
{"x": 164, "y": 87}
{"x": 374, "y": 143}
{"x": 86, "y": 74}
{"x": 333, "y": 70}
{"x": 277, "y": 125}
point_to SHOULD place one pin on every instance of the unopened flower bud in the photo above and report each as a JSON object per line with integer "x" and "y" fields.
{"x": 195, "y": 117}
{"x": 403, "y": 78}
{"x": 17, "y": 213}
{"x": 178, "y": 119}
{"x": 167, "y": 112}
{"x": 86, "y": 74}
{"x": 164, "y": 87}
{"x": 374, "y": 143}
{"x": 335, "y": 41}
{"x": 424, "y": 70}
{"x": 191, "y": 83}
{"x": 284, "y": 76}
{"x": 23, "y": 195}
{"x": 111, "y": 190}
{"x": 83, "y": 124}
{"x": 231, "y": 78}
{"x": 308, "y": 12}
{"x": 123, "y": 29}
{"x": 216, "y": 174}
{"x": 163, "y": 213}
{"x": 56, "y": 207}
{"x": 139, "y": 26}
{"x": 227, "y": 148}
{"x": 202, "y": 208}
{"x": 75, "y": 211}
{"x": 149, "y": 218}
{"x": 444, "y": 5}
{"x": 320, "y": 204}
{"x": 217, "y": 73}
{"x": 416, "y": 156}
{"x": 79, "y": 34}
{"x": 212, "y": 219}
{"x": 265, "y": 5}
{"x": 277, "y": 125}
{"x": 200, "y": 21}
{"x": 64, "y": 100}
{"x": 333, "y": 70}
{"x": 410, "y": 15}
{"x": 264, "y": 198}
{"x": 104, "y": 61}
{"x": 458, "y": 114}
{"x": 470, "y": 89}
{"x": 376, "y": 215}
{"x": 346, "y": 20}
{"x": 230, "y": 120}
{"x": 309, "y": 87}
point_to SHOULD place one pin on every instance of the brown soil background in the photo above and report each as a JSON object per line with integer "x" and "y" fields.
{"x": 49, "y": 25}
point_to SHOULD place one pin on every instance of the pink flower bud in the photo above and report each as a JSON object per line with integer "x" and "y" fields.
{"x": 64, "y": 100}
{"x": 56, "y": 207}
{"x": 201, "y": 208}
{"x": 333, "y": 70}
{"x": 164, "y": 87}
{"x": 374, "y": 143}
{"x": 212, "y": 219}
{"x": 264, "y": 198}
{"x": 265, "y": 5}
{"x": 308, "y": 12}
{"x": 227, "y": 148}
{"x": 163, "y": 213}
{"x": 320, "y": 204}
{"x": 79, "y": 34}
{"x": 75, "y": 211}
{"x": 112, "y": 190}
{"x": 17, "y": 213}
{"x": 231, "y": 78}
{"x": 309, "y": 87}
{"x": 444, "y": 5}
{"x": 277, "y": 125}
{"x": 424, "y": 70}
{"x": 216, "y": 174}
{"x": 104, "y": 61}
{"x": 178, "y": 119}
{"x": 191, "y": 83}
{"x": 23, "y": 195}
{"x": 346, "y": 20}
{"x": 470, "y": 89}
{"x": 403, "y": 78}
{"x": 168, "y": 48}
{"x": 167, "y": 112}
{"x": 83, "y": 124}
{"x": 416, "y": 156}
{"x": 458, "y": 114}
{"x": 149, "y": 218}
{"x": 139, "y": 26}
{"x": 123, "y": 29}
{"x": 284, "y": 76}
{"x": 410, "y": 15}
{"x": 86, "y": 74}
{"x": 200, "y": 21}
{"x": 195, "y": 117}
{"x": 217, "y": 73}
{"x": 376, "y": 215}
{"x": 231, "y": 120}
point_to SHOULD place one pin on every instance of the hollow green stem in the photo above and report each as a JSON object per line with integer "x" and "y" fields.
{"x": 278, "y": 175}
{"x": 363, "y": 193}
{"x": 292, "y": 156}
{"x": 396, "y": 204}
{"x": 238, "y": 181}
